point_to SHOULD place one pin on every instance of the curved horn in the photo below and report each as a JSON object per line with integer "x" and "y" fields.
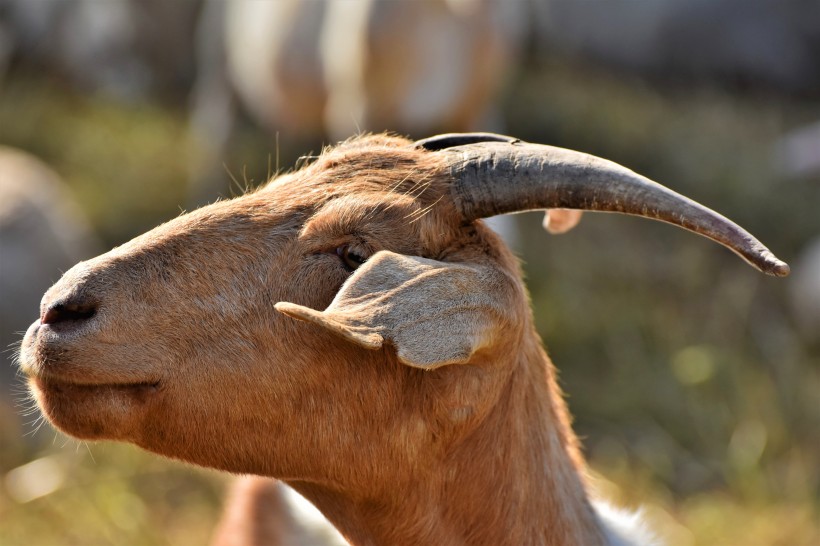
{"x": 498, "y": 175}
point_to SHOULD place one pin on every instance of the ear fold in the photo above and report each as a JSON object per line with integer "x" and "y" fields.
{"x": 434, "y": 313}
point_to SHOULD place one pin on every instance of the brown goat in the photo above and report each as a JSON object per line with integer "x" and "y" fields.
{"x": 419, "y": 407}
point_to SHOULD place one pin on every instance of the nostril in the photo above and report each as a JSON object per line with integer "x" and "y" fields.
{"x": 68, "y": 311}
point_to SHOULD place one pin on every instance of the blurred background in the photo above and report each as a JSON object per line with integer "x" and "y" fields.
{"x": 695, "y": 381}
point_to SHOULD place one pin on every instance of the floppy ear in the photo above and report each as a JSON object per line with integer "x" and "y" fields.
{"x": 558, "y": 221}
{"x": 434, "y": 313}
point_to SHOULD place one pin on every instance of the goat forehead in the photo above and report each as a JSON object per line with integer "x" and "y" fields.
{"x": 353, "y": 188}
{"x": 225, "y": 222}
{"x": 351, "y": 213}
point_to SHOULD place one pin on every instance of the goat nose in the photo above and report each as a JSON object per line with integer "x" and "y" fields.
{"x": 73, "y": 309}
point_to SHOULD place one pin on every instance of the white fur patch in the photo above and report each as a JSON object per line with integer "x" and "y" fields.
{"x": 623, "y": 527}
{"x": 314, "y": 528}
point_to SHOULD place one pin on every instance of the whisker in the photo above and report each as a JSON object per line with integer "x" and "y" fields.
{"x": 88, "y": 448}
{"x": 419, "y": 214}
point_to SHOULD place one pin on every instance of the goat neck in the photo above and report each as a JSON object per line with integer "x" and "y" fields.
{"x": 515, "y": 477}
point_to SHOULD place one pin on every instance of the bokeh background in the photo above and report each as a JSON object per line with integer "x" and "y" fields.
{"x": 695, "y": 381}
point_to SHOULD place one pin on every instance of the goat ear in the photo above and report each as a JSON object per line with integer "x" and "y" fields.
{"x": 558, "y": 221}
{"x": 433, "y": 313}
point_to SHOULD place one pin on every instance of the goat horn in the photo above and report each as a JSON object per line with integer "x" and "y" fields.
{"x": 494, "y": 174}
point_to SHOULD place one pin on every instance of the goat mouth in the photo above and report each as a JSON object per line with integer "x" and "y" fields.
{"x": 94, "y": 411}
{"x": 60, "y": 386}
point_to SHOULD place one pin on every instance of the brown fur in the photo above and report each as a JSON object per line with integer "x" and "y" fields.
{"x": 186, "y": 357}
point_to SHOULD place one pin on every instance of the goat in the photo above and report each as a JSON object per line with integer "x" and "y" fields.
{"x": 307, "y": 69}
{"x": 412, "y": 401}
{"x": 307, "y": 66}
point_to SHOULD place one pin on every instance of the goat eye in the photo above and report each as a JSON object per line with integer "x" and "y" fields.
{"x": 350, "y": 258}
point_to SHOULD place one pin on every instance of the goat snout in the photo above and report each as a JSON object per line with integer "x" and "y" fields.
{"x": 68, "y": 312}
